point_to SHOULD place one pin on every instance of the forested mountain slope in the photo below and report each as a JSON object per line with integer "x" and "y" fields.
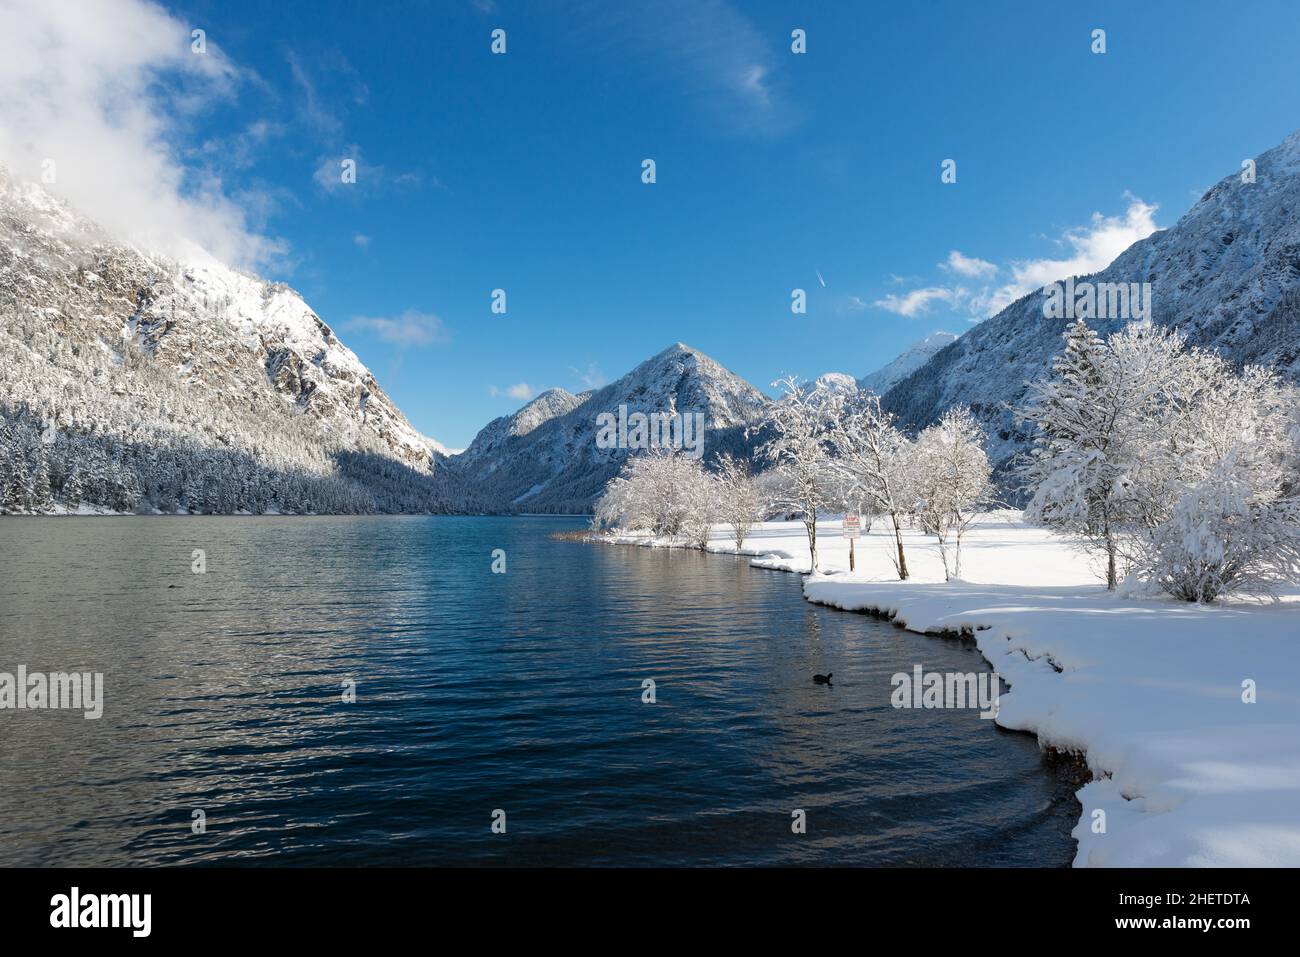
{"x": 136, "y": 382}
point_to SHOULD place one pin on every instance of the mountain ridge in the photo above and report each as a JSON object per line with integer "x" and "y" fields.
{"x": 907, "y": 362}
{"x": 556, "y": 464}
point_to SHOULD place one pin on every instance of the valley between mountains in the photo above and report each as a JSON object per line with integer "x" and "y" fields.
{"x": 138, "y": 383}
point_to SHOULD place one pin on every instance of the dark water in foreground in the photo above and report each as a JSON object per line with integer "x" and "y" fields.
{"x": 478, "y": 691}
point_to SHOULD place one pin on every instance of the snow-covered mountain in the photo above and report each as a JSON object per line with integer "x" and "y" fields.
{"x": 99, "y": 338}
{"x": 834, "y": 382}
{"x": 911, "y": 359}
{"x": 545, "y": 458}
{"x": 131, "y": 380}
{"x": 548, "y": 405}
{"x": 1227, "y": 274}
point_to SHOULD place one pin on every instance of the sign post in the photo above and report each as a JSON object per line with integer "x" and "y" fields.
{"x": 852, "y": 529}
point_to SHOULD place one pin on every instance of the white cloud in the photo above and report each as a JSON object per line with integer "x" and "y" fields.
{"x": 1092, "y": 248}
{"x": 753, "y": 84}
{"x": 968, "y": 266}
{"x": 411, "y": 328}
{"x": 104, "y": 89}
{"x": 520, "y": 390}
{"x": 362, "y": 240}
{"x": 917, "y": 302}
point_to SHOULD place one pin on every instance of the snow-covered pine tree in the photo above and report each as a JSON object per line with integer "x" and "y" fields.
{"x": 72, "y": 490}
{"x": 1080, "y": 468}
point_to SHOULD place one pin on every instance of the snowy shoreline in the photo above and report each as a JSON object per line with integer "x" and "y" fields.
{"x": 1149, "y": 690}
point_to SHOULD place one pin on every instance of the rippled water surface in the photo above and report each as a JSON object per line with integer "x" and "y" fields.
{"x": 478, "y": 691}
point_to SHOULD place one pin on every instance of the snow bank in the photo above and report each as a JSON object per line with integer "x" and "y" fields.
{"x": 1149, "y": 689}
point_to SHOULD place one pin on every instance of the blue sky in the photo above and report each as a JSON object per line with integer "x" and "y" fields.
{"x": 523, "y": 171}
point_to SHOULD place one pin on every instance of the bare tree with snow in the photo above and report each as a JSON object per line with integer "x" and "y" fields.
{"x": 873, "y": 458}
{"x": 1229, "y": 516}
{"x": 801, "y": 423}
{"x": 742, "y": 503}
{"x": 703, "y": 497}
{"x": 952, "y": 475}
{"x": 663, "y": 492}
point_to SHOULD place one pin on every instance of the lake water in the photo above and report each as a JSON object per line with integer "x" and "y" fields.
{"x": 476, "y": 692}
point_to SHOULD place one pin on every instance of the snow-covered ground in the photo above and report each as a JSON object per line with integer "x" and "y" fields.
{"x": 1149, "y": 689}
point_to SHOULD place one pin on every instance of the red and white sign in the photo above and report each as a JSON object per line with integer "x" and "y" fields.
{"x": 852, "y": 525}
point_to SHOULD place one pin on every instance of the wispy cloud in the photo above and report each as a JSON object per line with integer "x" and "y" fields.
{"x": 314, "y": 108}
{"x": 240, "y": 150}
{"x": 715, "y": 52}
{"x": 326, "y": 90}
{"x": 591, "y": 377}
{"x": 103, "y": 90}
{"x": 366, "y": 177}
{"x": 411, "y": 328}
{"x": 334, "y": 172}
{"x": 362, "y": 240}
